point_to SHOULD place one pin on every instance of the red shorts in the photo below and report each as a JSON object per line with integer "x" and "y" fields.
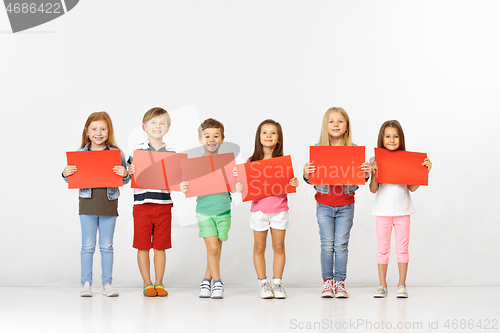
{"x": 152, "y": 226}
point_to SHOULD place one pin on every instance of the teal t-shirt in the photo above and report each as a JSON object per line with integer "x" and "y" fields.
{"x": 214, "y": 204}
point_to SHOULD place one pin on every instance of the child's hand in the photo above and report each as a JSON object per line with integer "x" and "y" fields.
{"x": 184, "y": 186}
{"x": 69, "y": 170}
{"x": 131, "y": 169}
{"x": 239, "y": 187}
{"x": 427, "y": 163}
{"x": 308, "y": 169}
{"x": 367, "y": 168}
{"x": 120, "y": 170}
{"x": 294, "y": 182}
{"x": 374, "y": 167}
{"x": 235, "y": 172}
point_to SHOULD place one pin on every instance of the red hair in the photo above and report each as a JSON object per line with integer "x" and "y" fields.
{"x": 96, "y": 116}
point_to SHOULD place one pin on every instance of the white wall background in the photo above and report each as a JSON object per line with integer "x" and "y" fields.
{"x": 433, "y": 65}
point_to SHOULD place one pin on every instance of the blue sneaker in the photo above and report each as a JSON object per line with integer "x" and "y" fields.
{"x": 205, "y": 289}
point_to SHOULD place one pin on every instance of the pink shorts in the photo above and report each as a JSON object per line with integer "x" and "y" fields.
{"x": 401, "y": 226}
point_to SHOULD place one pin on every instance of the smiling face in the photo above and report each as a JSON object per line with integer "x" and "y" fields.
{"x": 98, "y": 134}
{"x": 211, "y": 140}
{"x": 337, "y": 125}
{"x": 391, "y": 138}
{"x": 269, "y": 136}
{"x": 156, "y": 127}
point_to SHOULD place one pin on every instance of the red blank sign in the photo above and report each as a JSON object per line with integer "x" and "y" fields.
{"x": 265, "y": 178}
{"x": 337, "y": 165}
{"x": 209, "y": 174}
{"x": 94, "y": 168}
{"x": 157, "y": 170}
{"x": 401, "y": 167}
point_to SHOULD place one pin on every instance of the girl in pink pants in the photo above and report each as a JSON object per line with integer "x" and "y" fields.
{"x": 392, "y": 208}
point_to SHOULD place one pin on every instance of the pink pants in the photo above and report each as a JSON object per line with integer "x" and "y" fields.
{"x": 402, "y": 232}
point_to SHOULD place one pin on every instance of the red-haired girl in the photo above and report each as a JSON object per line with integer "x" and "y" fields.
{"x": 98, "y": 207}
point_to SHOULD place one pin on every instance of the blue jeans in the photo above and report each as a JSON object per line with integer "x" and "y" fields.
{"x": 106, "y": 225}
{"x": 335, "y": 225}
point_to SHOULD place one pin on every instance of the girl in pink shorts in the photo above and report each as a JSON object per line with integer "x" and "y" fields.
{"x": 392, "y": 208}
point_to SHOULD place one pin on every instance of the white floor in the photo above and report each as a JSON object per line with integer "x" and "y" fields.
{"x": 437, "y": 309}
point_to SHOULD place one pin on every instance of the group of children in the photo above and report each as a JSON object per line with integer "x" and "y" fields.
{"x": 152, "y": 210}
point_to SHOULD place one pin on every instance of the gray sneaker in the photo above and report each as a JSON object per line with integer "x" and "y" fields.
{"x": 278, "y": 290}
{"x": 87, "y": 290}
{"x": 108, "y": 291}
{"x": 266, "y": 291}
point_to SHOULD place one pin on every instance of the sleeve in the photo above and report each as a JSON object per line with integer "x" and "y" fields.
{"x": 126, "y": 179}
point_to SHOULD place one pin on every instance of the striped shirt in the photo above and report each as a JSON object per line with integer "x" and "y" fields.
{"x": 142, "y": 196}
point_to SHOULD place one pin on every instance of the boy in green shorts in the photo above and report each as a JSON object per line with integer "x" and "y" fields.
{"x": 213, "y": 213}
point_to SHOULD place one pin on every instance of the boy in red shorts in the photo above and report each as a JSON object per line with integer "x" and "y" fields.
{"x": 152, "y": 209}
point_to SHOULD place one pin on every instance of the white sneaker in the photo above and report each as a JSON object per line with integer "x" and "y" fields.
{"x": 278, "y": 290}
{"x": 327, "y": 291}
{"x": 218, "y": 290}
{"x": 205, "y": 289}
{"x": 339, "y": 289}
{"x": 108, "y": 291}
{"x": 381, "y": 292}
{"x": 266, "y": 290}
{"x": 87, "y": 290}
{"x": 402, "y": 292}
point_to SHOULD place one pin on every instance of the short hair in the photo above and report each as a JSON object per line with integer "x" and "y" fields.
{"x": 211, "y": 123}
{"x": 324, "y": 139}
{"x": 155, "y": 112}
{"x": 394, "y": 124}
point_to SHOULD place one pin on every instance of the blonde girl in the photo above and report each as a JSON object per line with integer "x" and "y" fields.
{"x": 334, "y": 207}
{"x": 269, "y": 214}
{"x": 98, "y": 207}
{"x": 392, "y": 208}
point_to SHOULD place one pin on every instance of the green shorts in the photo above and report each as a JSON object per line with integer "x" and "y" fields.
{"x": 214, "y": 225}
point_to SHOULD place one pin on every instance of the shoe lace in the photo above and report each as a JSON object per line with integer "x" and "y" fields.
{"x": 327, "y": 285}
{"x": 339, "y": 286}
{"x": 278, "y": 288}
{"x": 266, "y": 287}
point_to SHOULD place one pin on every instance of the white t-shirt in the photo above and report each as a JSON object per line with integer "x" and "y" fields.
{"x": 392, "y": 200}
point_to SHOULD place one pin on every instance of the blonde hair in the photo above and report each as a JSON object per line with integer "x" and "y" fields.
{"x": 324, "y": 138}
{"x": 96, "y": 116}
{"x": 155, "y": 112}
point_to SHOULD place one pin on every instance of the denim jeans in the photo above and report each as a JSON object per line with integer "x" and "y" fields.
{"x": 106, "y": 226}
{"x": 335, "y": 225}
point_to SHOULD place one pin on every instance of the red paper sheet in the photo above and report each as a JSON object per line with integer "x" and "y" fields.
{"x": 94, "y": 169}
{"x": 401, "y": 167}
{"x": 209, "y": 174}
{"x": 157, "y": 170}
{"x": 265, "y": 178}
{"x": 337, "y": 165}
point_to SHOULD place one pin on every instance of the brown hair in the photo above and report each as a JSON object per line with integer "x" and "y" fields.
{"x": 96, "y": 116}
{"x": 258, "y": 152}
{"x": 394, "y": 124}
{"x": 155, "y": 112}
{"x": 324, "y": 138}
{"x": 211, "y": 123}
